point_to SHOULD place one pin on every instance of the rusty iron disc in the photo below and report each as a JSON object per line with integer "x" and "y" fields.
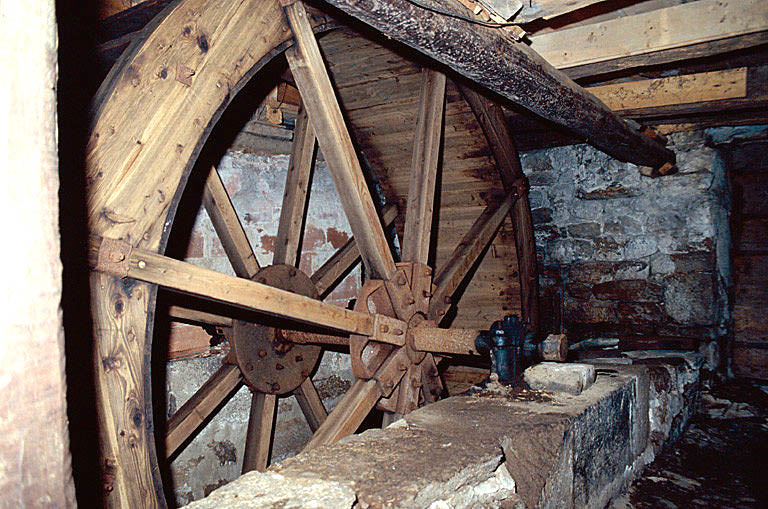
{"x": 269, "y": 363}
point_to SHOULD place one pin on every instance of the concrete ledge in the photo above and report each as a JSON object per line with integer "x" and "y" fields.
{"x": 524, "y": 448}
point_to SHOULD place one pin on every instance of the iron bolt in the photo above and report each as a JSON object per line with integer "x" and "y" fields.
{"x": 299, "y": 358}
{"x": 116, "y": 256}
{"x": 384, "y": 328}
{"x": 142, "y": 264}
{"x": 279, "y": 366}
{"x": 275, "y": 387}
{"x": 397, "y": 332}
{"x": 262, "y": 353}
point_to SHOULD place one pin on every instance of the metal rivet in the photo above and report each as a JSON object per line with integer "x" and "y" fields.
{"x": 142, "y": 264}
{"x": 262, "y": 353}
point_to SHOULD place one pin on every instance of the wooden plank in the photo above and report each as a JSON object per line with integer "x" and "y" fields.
{"x": 465, "y": 255}
{"x": 453, "y": 341}
{"x": 493, "y": 122}
{"x": 687, "y": 89}
{"x": 195, "y": 316}
{"x": 344, "y": 259}
{"x": 297, "y": 184}
{"x": 311, "y": 404}
{"x": 258, "y": 441}
{"x": 510, "y": 69}
{"x": 424, "y": 164}
{"x": 311, "y": 77}
{"x": 348, "y": 414}
{"x": 200, "y": 406}
{"x": 191, "y": 279}
{"x": 546, "y": 9}
{"x": 228, "y": 227}
{"x": 659, "y": 36}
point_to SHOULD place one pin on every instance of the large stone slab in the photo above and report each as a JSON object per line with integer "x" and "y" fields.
{"x": 514, "y": 448}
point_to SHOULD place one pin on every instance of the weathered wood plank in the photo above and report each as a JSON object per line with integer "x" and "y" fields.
{"x": 686, "y": 89}
{"x": 258, "y": 441}
{"x": 311, "y": 404}
{"x": 228, "y": 227}
{"x": 348, "y": 414}
{"x": 200, "y": 406}
{"x": 311, "y": 77}
{"x": 510, "y": 69}
{"x": 664, "y": 35}
{"x": 448, "y": 278}
{"x": 191, "y": 279}
{"x": 424, "y": 165}
{"x": 297, "y": 184}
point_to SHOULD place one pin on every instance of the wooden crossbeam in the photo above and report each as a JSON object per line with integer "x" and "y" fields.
{"x": 319, "y": 98}
{"x": 671, "y": 34}
{"x": 119, "y": 259}
{"x": 450, "y": 276}
{"x": 510, "y": 69}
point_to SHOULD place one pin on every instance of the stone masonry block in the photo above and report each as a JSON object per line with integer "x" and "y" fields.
{"x": 556, "y": 377}
{"x": 632, "y": 290}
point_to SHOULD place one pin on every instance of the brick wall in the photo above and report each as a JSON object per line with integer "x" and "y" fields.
{"x": 629, "y": 257}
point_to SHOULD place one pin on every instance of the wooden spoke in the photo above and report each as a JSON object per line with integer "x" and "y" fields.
{"x": 348, "y": 414}
{"x": 227, "y": 225}
{"x": 297, "y": 184}
{"x": 424, "y": 163}
{"x": 200, "y": 406}
{"x": 319, "y": 98}
{"x": 494, "y": 124}
{"x": 187, "y": 278}
{"x": 342, "y": 261}
{"x": 183, "y": 314}
{"x": 450, "y": 276}
{"x": 451, "y": 341}
{"x": 260, "y": 426}
{"x": 311, "y": 404}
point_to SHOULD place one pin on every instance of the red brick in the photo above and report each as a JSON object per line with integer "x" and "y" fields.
{"x": 336, "y": 238}
{"x": 640, "y": 312}
{"x": 314, "y": 238}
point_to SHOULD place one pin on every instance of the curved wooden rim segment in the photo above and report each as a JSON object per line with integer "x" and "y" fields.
{"x": 182, "y": 74}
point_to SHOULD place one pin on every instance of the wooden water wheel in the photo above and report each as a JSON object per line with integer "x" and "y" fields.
{"x": 154, "y": 113}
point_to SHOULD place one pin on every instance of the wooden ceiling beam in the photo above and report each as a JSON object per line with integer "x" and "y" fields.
{"x": 489, "y": 57}
{"x": 681, "y": 32}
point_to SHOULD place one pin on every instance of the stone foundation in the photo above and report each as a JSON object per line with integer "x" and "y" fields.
{"x": 514, "y": 448}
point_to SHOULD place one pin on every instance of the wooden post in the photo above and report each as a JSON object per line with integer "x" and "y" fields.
{"x": 34, "y": 441}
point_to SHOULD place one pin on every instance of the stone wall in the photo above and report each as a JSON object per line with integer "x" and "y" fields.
{"x": 255, "y": 183}
{"x": 629, "y": 257}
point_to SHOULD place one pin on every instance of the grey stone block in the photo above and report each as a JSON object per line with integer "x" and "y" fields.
{"x": 556, "y": 377}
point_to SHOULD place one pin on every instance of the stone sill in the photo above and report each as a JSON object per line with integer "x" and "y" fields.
{"x": 529, "y": 449}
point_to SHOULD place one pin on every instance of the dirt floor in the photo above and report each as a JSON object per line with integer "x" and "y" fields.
{"x": 720, "y": 461}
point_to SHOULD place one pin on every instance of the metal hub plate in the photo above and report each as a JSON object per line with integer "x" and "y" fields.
{"x": 269, "y": 363}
